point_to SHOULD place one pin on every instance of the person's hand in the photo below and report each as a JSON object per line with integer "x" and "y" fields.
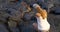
{"x": 37, "y": 14}
{"x": 35, "y": 26}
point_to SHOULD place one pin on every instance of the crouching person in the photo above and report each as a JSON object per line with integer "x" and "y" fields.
{"x": 42, "y": 24}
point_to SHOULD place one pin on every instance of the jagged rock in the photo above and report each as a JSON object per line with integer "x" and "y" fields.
{"x": 54, "y": 21}
{"x": 30, "y": 2}
{"x": 12, "y": 0}
{"x": 14, "y": 29}
{"x": 26, "y": 15}
{"x": 25, "y": 7}
{"x": 3, "y": 17}
{"x": 27, "y": 26}
{"x": 3, "y": 28}
{"x": 13, "y": 26}
{"x": 14, "y": 10}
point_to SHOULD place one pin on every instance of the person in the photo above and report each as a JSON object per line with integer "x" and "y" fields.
{"x": 42, "y": 24}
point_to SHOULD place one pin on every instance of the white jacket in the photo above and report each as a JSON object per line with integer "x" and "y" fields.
{"x": 43, "y": 24}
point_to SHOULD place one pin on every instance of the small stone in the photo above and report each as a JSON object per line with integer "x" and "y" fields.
{"x": 12, "y": 24}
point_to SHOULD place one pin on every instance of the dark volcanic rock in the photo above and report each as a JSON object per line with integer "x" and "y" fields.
{"x": 3, "y": 28}
{"x": 13, "y": 11}
{"x": 27, "y": 27}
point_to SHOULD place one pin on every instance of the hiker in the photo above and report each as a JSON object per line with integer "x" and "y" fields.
{"x": 42, "y": 24}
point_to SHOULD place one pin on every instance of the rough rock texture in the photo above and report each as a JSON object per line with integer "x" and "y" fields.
{"x": 18, "y": 15}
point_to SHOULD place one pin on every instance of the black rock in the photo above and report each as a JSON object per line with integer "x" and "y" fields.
{"x": 3, "y": 28}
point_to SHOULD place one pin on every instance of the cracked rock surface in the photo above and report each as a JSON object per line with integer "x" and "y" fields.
{"x": 19, "y": 15}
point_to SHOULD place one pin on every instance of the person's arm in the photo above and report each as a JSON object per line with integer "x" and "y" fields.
{"x": 40, "y": 10}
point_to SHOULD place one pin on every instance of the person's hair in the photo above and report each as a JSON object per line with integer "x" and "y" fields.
{"x": 40, "y": 10}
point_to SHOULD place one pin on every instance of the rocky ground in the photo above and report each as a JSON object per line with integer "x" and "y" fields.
{"x": 18, "y": 16}
{"x": 55, "y": 22}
